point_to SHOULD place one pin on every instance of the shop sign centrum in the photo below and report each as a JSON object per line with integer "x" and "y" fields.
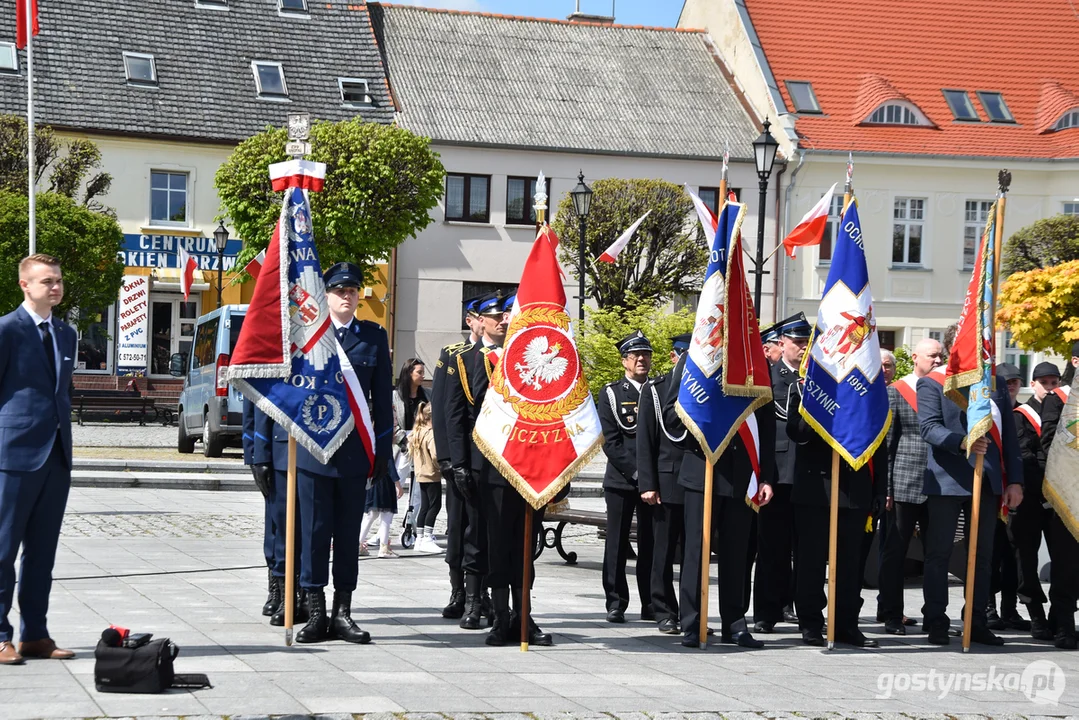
{"x": 159, "y": 251}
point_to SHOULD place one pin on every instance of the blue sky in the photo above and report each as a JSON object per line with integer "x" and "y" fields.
{"x": 660, "y": 13}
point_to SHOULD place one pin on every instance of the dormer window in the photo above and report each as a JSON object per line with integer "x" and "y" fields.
{"x": 9, "y": 59}
{"x": 803, "y": 97}
{"x": 269, "y": 79}
{"x": 896, "y": 113}
{"x": 961, "y": 106}
{"x": 140, "y": 68}
{"x": 292, "y": 6}
{"x": 1069, "y": 119}
{"x": 995, "y": 107}
{"x": 354, "y": 92}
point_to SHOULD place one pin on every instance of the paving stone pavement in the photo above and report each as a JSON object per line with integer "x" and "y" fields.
{"x": 188, "y": 565}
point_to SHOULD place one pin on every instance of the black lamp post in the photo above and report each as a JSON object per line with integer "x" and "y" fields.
{"x": 764, "y": 152}
{"x": 582, "y": 203}
{"x": 221, "y": 237}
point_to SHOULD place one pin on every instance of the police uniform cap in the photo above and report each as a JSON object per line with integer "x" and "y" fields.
{"x": 1007, "y": 371}
{"x": 343, "y": 274}
{"x": 680, "y": 343}
{"x": 634, "y": 342}
{"x": 796, "y": 326}
{"x": 507, "y": 304}
{"x": 769, "y": 334}
{"x": 1045, "y": 369}
{"x": 489, "y": 304}
{"x": 471, "y": 305}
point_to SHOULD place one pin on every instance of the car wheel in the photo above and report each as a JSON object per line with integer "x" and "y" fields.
{"x": 184, "y": 443}
{"x": 211, "y": 443}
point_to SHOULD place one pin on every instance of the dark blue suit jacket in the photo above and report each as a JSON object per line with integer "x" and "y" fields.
{"x": 368, "y": 349}
{"x": 944, "y": 425}
{"x": 33, "y": 404}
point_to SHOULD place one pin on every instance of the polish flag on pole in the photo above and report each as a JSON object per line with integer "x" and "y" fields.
{"x": 254, "y": 267}
{"x": 810, "y": 230}
{"x": 21, "y": 23}
{"x": 611, "y": 254}
{"x": 303, "y": 174}
{"x": 187, "y": 266}
{"x": 704, "y": 214}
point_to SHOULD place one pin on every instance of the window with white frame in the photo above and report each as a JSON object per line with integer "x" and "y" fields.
{"x": 896, "y": 114}
{"x": 269, "y": 79}
{"x": 1069, "y": 119}
{"x": 831, "y": 230}
{"x": 1071, "y": 208}
{"x": 140, "y": 68}
{"x": 168, "y": 198}
{"x": 354, "y": 92}
{"x": 977, "y": 213}
{"x": 937, "y": 335}
{"x": 294, "y": 6}
{"x": 9, "y": 58}
{"x": 908, "y": 226}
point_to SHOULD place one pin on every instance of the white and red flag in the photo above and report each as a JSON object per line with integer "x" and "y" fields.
{"x": 810, "y": 231}
{"x": 20, "y": 21}
{"x": 254, "y": 267}
{"x": 187, "y": 266}
{"x": 611, "y": 254}
{"x": 302, "y": 174}
{"x": 539, "y": 423}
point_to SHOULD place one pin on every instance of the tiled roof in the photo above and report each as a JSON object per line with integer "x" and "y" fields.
{"x": 920, "y": 47}
{"x": 495, "y": 80}
{"x": 203, "y": 55}
{"x": 874, "y": 91}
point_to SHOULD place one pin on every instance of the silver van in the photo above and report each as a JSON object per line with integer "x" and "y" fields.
{"x": 210, "y": 409}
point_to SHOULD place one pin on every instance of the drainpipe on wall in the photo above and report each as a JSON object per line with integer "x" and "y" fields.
{"x": 787, "y": 225}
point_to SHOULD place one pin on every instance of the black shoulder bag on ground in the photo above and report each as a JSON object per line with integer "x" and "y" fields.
{"x": 145, "y": 668}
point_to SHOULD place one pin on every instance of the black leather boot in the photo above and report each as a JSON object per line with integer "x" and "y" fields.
{"x": 273, "y": 599}
{"x": 535, "y": 636}
{"x": 500, "y": 630}
{"x": 1039, "y": 626}
{"x": 299, "y": 606}
{"x": 1065, "y": 630}
{"x": 471, "y": 620}
{"x": 487, "y": 608}
{"x": 456, "y": 608}
{"x": 992, "y": 619}
{"x": 342, "y": 626}
{"x": 317, "y": 628}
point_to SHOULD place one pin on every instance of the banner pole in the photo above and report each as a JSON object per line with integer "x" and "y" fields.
{"x": 706, "y": 553}
{"x": 526, "y": 578}
{"x": 833, "y": 547}
{"x": 972, "y": 549}
{"x": 290, "y": 541}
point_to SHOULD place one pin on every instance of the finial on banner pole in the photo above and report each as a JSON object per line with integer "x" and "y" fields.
{"x": 540, "y": 199}
{"x": 848, "y": 188}
{"x": 723, "y": 176}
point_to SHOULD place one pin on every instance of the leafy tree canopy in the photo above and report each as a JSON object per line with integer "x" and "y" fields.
{"x": 381, "y": 181}
{"x": 1043, "y": 244}
{"x": 606, "y": 326}
{"x": 1041, "y": 307}
{"x": 666, "y": 257}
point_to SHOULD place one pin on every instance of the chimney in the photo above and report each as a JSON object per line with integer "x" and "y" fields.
{"x": 579, "y": 17}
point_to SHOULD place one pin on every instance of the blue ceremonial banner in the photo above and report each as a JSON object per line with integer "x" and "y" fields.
{"x": 287, "y": 358}
{"x": 845, "y": 398}
{"x": 725, "y": 377}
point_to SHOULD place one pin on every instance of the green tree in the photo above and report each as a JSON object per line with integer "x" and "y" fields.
{"x": 86, "y": 242}
{"x": 606, "y": 326}
{"x": 1046, "y": 243}
{"x": 904, "y": 365}
{"x": 667, "y": 257}
{"x": 381, "y": 181}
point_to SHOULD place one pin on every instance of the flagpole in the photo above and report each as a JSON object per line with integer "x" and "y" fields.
{"x": 1005, "y": 180}
{"x": 833, "y": 509}
{"x": 30, "y": 159}
{"x": 290, "y": 541}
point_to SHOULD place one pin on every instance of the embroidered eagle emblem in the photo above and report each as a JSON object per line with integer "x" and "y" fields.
{"x": 541, "y": 363}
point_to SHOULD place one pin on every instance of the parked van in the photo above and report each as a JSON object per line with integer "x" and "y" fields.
{"x": 210, "y": 409}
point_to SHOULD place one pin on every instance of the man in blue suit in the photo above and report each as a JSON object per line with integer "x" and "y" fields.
{"x": 331, "y": 497}
{"x": 949, "y": 483}
{"x": 37, "y": 353}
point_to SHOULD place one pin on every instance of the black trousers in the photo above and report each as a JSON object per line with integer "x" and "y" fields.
{"x": 751, "y": 556}
{"x": 1005, "y": 575}
{"x": 667, "y": 530}
{"x": 773, "y": 579}
{"x": 466, "y": 533}
{"x": 812, "y": 526}
{"x": 1064, "y": 573}
{"x": 430, "y": 504}
{"x": 943, "y": 515}
{"x": 733, "y": 519}
{"x": 900, "y": 523}
{"x": 621, "y": 505}
{"x": 505, "y": 510}
{"x": 1026, "y": 525}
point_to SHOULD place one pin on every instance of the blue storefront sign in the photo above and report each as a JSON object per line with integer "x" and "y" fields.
{"x": 160, "y": 251}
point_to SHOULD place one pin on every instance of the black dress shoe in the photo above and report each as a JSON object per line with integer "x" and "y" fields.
{"x": 1039, "y": 630}
{"x": 669, "y": 626}
{"x": 939, "y": 635}
{"x": 1014, "y": 621}
{"x": 616, "y": 616}
{"x": 647, "y": 613}
{"x": 993, "y": 621}
{"x": 537, "y": 637}
{"x": 1065, "y": 640}
{"x": 909, "y": 622}
{"x": 741, "y": 639}
{"x": 984, "y": 636}
{"x": 812, "y": 637}
{"x": 894, "y": 627}
{"x": 763, "y": 626}
{"x": 855, "y": 637}
{"x": 789, "y": 615}
{"x": 690, "y": 640}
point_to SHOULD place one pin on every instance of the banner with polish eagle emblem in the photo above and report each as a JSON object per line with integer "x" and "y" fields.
{"x": 287, "y": 359}
{"x": 539, "y": 424}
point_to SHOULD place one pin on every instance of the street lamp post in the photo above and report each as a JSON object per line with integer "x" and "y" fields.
{"x": 582, "y": 203}
{"x": 221, "y": 237}
{"x": 764, "y": 153}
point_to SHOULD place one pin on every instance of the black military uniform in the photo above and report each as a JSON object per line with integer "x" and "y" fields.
{"x": 773, "y": 588}
{"x": 861, "y": 493}
{"x": 732, "y": 520}
{"x": 658, "y": 462}
{"x": 1005, "y": 575}
{"x": 618, "y": 403}
{"x": 459, "y": 542}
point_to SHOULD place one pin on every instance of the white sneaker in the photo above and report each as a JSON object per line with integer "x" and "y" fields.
{"x": 385, "y": 551}
{"x": 430, "y": 546}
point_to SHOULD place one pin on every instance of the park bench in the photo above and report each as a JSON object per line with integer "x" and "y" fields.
{"x": 563, "y": 516}
{"x": 110, "y": 402}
